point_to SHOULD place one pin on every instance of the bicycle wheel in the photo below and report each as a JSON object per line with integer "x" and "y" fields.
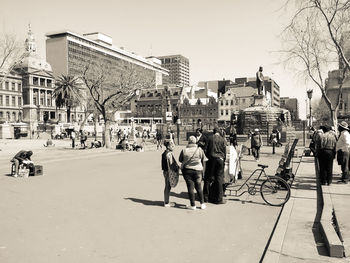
{"x": 275, "y": 191}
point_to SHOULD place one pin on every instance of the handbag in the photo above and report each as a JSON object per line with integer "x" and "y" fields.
{"x": 173, "y": 172}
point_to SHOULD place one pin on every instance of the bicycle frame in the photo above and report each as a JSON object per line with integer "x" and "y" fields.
{"x": 245, "y": 183}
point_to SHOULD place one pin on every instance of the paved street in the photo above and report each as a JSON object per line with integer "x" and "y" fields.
{"x": 106, "y": 206}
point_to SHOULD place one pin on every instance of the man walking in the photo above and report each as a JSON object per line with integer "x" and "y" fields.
{"x": 214, "y": 177}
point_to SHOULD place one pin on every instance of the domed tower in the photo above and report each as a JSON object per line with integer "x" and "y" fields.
{"x": 38, "y": 85}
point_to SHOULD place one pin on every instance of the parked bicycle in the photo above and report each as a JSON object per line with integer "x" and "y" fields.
{"x": 274, "y": 190}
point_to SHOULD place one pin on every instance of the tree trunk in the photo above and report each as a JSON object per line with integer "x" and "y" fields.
{"x": 95, "y": 127}
{"x": 107, "y": 134}
{"x": 68, "y": 114}
{"x": 82, "y": 124}
{"x": 334, "y": 118}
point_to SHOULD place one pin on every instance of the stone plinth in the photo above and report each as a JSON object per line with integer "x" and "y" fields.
{"x": 260, "y": 100}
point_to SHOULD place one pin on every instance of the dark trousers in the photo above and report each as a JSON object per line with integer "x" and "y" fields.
{"x": 193, "y": 180}
{"x": 213, "y": 190}
{"x": 325, "y": 158}
{"x": 73, "y": 143}
{"x": 345, "y": 166}
{"x": 256, "y": 151}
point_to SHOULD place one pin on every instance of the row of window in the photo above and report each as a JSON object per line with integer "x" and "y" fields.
{"x": 225, "y": 112}
{"x": 11, "y": 117}
{"x": 14, "y": 86}
{"x": 42, "y": 82}
{"x": 5, "y": 100}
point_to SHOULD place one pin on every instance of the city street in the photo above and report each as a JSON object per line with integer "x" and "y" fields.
{"x": 107, "y": 206}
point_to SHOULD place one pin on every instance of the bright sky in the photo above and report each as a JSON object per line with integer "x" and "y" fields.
{"x": 222, "y": 38}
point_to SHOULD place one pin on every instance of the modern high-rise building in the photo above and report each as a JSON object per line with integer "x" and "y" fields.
{"x": 66, "y": 51}
{"x": 179, "y": 70}
{"x": 292, "y": 105}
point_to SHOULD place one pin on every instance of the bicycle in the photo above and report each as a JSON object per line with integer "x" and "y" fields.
{"x": 274, "y": 190}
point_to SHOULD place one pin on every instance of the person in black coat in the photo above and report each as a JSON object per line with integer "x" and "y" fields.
{"x": 202, "y": 140}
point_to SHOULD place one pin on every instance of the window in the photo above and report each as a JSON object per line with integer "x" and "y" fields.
{"x": 41, "y": 101}
{"x": 13, "y": 86}
{"x": 19, "y": 86}
{"x": 7, "y": 100}
{"x": 222, "y": 113}
{"x": 226, "y": 103}
{"x": 19, "y": 101}
{"x": 13, "y": 101}
{"x": 42, "y": 82}
{"x": 49, "y": 82}
{"x": 48, "y": 102}
{"x": 34, "y": 101}
{"x": 231, "y": 102}
{"x": 0, "y": 100}
{"x": 35, "y": 81}
{"x": 243, "y": 100}
{"x": 222, "y": 103}
{"x": 1, "y": 114}
{"x": 7, "y": 85}
{"x": 226, "y": 112}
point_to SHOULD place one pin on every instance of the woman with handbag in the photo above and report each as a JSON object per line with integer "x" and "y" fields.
{"x": 170, "y": 170}
{"x": 193, "y": 165}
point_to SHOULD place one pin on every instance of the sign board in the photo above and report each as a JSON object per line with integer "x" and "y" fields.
{"x": 169, "y": 116}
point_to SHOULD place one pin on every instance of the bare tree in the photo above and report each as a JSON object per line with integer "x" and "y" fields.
{"x": 11, "y": 53}
{"x": 112, "y": 87}
{"x": 314, "y": 43}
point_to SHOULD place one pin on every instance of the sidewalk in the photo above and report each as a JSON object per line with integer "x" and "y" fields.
{"x": 296, "y": 238}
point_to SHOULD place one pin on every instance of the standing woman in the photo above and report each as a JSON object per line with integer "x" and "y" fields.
{"x": 326, "y": 155}
{"x": 256, "y": 144}
{"x": 193, "y": 165}
{"x": 343, "y": 147}
{"x": 167, "y": 161}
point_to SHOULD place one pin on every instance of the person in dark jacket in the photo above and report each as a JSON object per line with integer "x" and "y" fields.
{"x": 202, "y": 140}
{"x": 214, "y": 175}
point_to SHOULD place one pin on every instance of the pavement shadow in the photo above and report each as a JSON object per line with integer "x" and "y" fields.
{"x": 183, "y": 195}
{"x": 246, "y": 201}
{"x": 145, "y": 202}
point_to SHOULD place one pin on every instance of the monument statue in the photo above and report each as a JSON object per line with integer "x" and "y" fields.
{"x": 260, "y": 81}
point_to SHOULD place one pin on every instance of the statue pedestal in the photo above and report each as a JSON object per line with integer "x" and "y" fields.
{"x": 260, "y": 100}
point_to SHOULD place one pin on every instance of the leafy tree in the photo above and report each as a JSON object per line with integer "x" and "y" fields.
{"x": 111, "y": 87}
{"x": 67, "y": 93}
{"x": 314, "y": 43}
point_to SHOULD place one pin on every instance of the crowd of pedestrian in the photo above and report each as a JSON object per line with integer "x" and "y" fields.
{"x": 326, "y": 146}
{"x": 203, "y": 159}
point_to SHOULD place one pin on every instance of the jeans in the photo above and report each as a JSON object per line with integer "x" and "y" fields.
{"x": 256, "y": 152}
{"x": 214, "y": 179}
{"x": 325, "y": 158}
{"x": 345, "y": 166}
{"x": 193, "y": 180}
{"x": 167, "y": 187}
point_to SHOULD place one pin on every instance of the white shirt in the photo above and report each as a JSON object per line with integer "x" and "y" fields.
{"x": 343, "y": 142}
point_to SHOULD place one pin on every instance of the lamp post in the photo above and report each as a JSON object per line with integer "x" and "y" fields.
{"x": 309, "y": 95}
{"x": 178, "y": 122}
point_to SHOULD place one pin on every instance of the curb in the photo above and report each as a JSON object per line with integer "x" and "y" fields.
{"x": 327, "y": 225}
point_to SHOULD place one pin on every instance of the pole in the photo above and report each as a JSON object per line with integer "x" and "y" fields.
{"x": 310, "y": 114}
{"x": 304, "y": 137}
{"x": 178, "y": 133}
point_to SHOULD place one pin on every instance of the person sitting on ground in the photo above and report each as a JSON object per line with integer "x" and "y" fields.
{"x": 96, "y": 144}
{"x": 22, "y": 157}
{"x": 49, "y": 143}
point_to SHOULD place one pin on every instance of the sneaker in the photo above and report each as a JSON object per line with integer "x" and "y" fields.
{"x": 192, "y": 207}
{"x": 166, "y": 205}
{"x": 15, "y": 175}
{"x": 203, "y": 206}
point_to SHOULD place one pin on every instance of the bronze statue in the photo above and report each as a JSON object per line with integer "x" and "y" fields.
{"x": 260, "y": 81}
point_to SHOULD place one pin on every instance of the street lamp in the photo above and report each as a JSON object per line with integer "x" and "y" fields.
{"x": 178, "y": 123}
{"x": 309, "y": 95}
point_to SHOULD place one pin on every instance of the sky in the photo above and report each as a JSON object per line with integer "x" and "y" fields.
{"x": 222, "y": 38}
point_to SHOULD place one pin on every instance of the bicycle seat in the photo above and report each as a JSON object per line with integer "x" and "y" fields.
{"x": 263, "y": 166}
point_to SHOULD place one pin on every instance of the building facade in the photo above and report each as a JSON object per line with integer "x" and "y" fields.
{"x": 11, "y": 101}
{"x": 198, "y": 107}
{"x": 154, "y": 103}
{"x": 179, "y": 70}
{"x": 67, "y": 52}
{"x": 292, "y": 105}
{"x": 234, "y": 100}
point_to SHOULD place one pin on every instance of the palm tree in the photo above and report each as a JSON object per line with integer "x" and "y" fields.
{"x": 67, "y": 93}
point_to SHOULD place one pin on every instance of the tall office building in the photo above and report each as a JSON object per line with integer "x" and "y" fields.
{"x": 179, "y": 70}
{"x": 65, "y": 51}
{"x": 292, "y": 105}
